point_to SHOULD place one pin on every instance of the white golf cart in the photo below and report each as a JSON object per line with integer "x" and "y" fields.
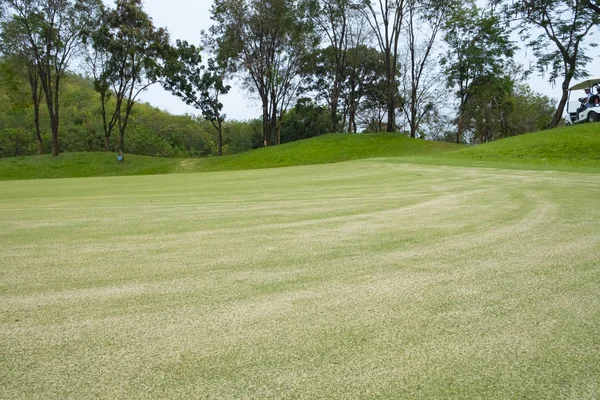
{"x": 588, "y": 108}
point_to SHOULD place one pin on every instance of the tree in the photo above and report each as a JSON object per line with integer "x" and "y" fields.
{"x": 52, "y": 32}
{"x": 269, "y": 41}
{"x": 366, "y": 90}
{"x": 479, "y": 47}
{"x": 305, "y": 120}
{"x": 128, "y": 53}
{"x": 560, "y": 45}
{"x": 20, "y": 62}
{"x": 418, "y": 80}
{"x": 593, "y": 5}
{"x": 385, "y": 19}
{"x": 197, "y": 85}
{"x": 503, "y": 107}
{"x": 332, "y": 19}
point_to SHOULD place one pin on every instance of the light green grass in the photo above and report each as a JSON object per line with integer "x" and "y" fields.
{"x": 364, "y": 279}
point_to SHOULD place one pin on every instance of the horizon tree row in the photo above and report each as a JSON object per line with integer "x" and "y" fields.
{"x": 421, "y": 67}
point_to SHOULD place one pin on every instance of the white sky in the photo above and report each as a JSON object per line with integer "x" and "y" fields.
{"x": 184, "y": 20}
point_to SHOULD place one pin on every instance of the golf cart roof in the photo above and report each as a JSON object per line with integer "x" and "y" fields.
{"x": 586, "y": 84}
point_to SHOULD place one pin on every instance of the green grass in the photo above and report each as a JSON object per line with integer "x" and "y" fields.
{"x": 570, "y": 149}
{"x": 77, "y": 165}
{"x": 365, "y": 279}
{"x": 321, "y": 150}
{"x": 561, "y": 147}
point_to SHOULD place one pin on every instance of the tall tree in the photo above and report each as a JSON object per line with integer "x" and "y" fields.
{"x": 365, "y": 88}
{"x": 269, "y": 41}
{"x": 128, "y": 57}
{"x": 53, "y": 31}
{"x": 197, "y": 85}
{"x": 332, "y": 20}
{"x": 556, "y": 31}
{"x": 385, "y": 18}
{"x": 479, "y": 46}
{"x": 20, "y": 63}
{"x": 418, "y": 96}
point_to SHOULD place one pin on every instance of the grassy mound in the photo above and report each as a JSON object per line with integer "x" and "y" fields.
{"x": 320, "y": 150}
{"x": 569, "y": 148}
{"x": 327, "y": 149}
{"x": 576, "y": 145}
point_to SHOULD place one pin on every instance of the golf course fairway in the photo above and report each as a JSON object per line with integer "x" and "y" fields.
{"x": 366, "y": 279}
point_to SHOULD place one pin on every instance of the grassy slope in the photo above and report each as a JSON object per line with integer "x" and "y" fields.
{"x": 356, "y": 280}
{"x": 571, "y": 148}
{"x": 77, "y": 165}
{"x": 561, "y": 147}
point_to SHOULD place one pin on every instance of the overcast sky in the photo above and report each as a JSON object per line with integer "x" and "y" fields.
{"x": 184, "y": 19}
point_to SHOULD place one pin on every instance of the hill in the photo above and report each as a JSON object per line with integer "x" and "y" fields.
{"x": 150, "y": 131}
{"x": 324, "y": 149}
{"x": 568, "y": 148}
{"x": 575, "y": 145}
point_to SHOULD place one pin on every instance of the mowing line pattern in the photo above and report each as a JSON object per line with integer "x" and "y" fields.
{"x": 366, "y": 279}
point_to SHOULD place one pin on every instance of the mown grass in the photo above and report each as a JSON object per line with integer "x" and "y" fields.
{"x": 364, "y": 279}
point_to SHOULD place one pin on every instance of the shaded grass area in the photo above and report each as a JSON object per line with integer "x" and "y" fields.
{"x": 364, "y": 279}
{"x": 575, "y": 148}
{"x": 77, "y": 165}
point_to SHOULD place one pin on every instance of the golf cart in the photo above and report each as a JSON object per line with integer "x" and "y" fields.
{"x": 589, "y": 106}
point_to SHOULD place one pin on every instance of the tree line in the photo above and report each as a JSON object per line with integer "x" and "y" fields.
{"x": 437, "y": 70}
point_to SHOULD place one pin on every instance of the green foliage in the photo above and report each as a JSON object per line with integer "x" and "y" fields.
{"x": 556, "y": 31}
{"x": 270, "y": 43}
{"x": 126, "y": 58}
{"x": 480, "y": 50}
{"x": 196, "y": 85}
{"x": 305, "y": 120}
{"x": 45, "y": 35}
{"x": 500, "y": 108}
{"x": 82, "y": 129}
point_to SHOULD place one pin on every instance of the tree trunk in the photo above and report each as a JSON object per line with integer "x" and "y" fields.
{"x": 335, "y": 96}
{"x": 391, "y": 101}
{"x": 35, "y": 96}
{"x": 273, "y": 121}
{"x": 38, "y": 135}
{"x": 220, "y": 131}
{"x": 461, "y": 127}
{"x": 54, "y": 128}
{"x": 266, "y": 126}
{"x": 413, "y": 113}
{"x": 279, "y": 132}
{"x": 105, "y": 124}
{"x": 352, "y": 120}
{"x": 563, "y": 101}
{"x": 121, "y": 148}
